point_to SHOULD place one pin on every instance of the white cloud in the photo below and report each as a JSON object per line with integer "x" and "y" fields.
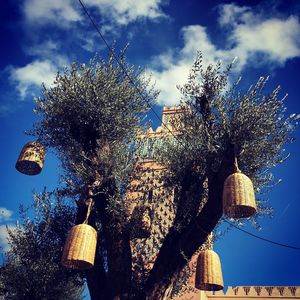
{"x": 62, "y": 13}
{"x": 172, "y": 68}
{"x": 278, "y": 39}
{"x": 42, "y": 70}
{"x": 5, "y": 214}
{"x": 248, "y": 34}
{"x": 33, "y": 75}
{"x": 56, "y": 11}
{"x": 89, "y": 43}
{"x": 231, "y": 14}
{"x": 46, "y": 49}
{"x": 110, "y": 15}
{"x": 48, "y": 60}
{"x": 4, "y": 235}
{"x": 251, "y": 33}
{"x": 126, "y": 11}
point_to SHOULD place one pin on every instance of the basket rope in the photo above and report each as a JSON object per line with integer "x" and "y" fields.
{"x": 89, "y": 209}
{"x": 236, "y": 166}
{"x": 209, "y": 241}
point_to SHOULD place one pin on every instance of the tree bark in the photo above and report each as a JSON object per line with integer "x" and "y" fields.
{"x": 97, "y": 281}
{"x": 116, "y": 241}
{"x": 178, "y": 244}
{"x": 170, "y": 259}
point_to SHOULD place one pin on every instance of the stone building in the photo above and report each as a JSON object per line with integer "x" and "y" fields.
{"x": 147, "y": 190}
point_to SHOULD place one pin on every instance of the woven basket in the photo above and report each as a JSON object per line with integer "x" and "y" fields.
{"x": 238, "y": 196}
{"x": 31, "y": 159}
{"x": 209, "y": 272}
{"x": 80, "y": 247}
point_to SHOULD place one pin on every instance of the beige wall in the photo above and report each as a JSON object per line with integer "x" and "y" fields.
{"x": 251, "y": 292}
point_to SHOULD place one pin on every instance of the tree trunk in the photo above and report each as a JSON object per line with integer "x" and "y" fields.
{"x": 97, "y": 282}
{"x": 177, "y": 246}
{"x": 116, "y": 245}
{"x": 170, "y": 260}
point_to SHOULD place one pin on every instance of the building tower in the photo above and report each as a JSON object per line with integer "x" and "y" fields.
{"x": 148, "y": 201}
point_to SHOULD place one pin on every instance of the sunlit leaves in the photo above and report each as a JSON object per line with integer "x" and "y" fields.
{"x": 91, "y": 116}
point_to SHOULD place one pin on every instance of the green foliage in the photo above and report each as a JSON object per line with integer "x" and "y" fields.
{"x": 217, "y": 115}
{"x": 32, "y": 268}
{"x": 91, "y": 116}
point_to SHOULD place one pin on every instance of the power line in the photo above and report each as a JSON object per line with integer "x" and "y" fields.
{"x": 124, "y": 69}
{"x": 262, "y": 238}
{"x": 158, "y": 117}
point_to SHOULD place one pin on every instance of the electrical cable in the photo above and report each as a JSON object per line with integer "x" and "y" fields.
{"x": 158, "y": 117}
{"x": 261, "y": 238}
{"x": 124, "y": 70}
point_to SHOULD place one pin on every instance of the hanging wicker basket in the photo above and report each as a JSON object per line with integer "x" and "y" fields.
{"x": 80, "y": 247}
{"x": 209, "y": 272}
{"x": 31, "y": 159}
{"x": 238, "y": 196}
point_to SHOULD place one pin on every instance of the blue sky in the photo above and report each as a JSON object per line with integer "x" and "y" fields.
{"x": 38, "y": 38}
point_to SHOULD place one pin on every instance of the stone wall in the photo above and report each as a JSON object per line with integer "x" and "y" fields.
{"x": 250, "y": 292}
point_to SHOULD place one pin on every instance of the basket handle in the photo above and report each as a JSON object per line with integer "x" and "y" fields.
{"x": 90, "y": 202}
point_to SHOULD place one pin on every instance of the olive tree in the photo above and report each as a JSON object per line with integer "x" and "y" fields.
{"x": 218, "y": 124}
{"x": 92, "y": 117}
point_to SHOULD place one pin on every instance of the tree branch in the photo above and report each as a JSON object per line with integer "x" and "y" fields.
{"x": 170, "y": 260}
